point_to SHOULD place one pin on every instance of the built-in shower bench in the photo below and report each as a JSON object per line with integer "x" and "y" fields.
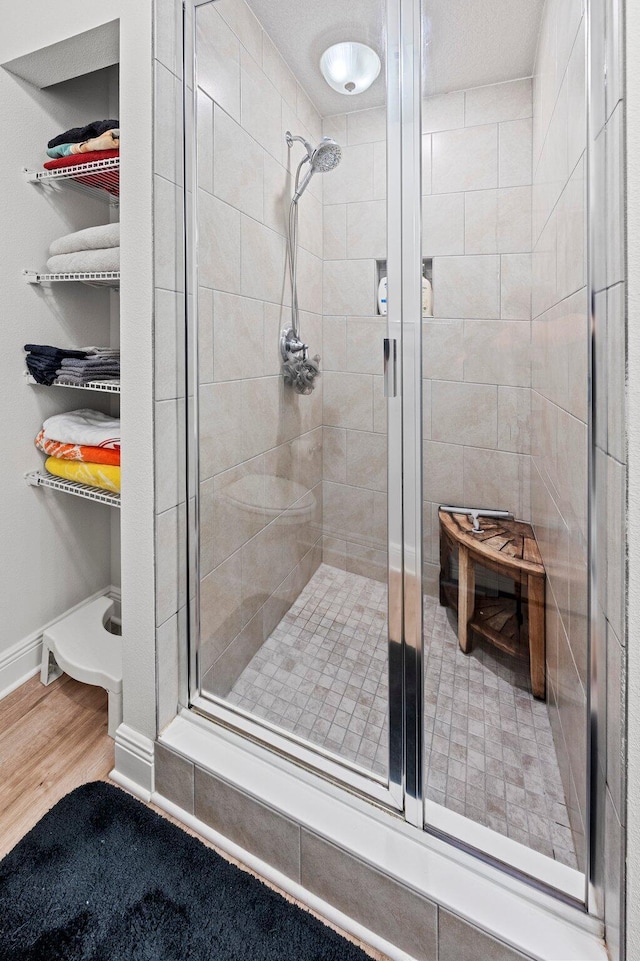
{"x": 509, "y": 549}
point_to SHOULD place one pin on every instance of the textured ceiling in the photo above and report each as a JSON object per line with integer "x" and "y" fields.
{"x": 468, "y": 42}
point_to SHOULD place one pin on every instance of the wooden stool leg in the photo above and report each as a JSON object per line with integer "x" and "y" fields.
{"x": 445, "y": 567}
{"x": 536, "y": 635}
{"x": 466, "y": 598}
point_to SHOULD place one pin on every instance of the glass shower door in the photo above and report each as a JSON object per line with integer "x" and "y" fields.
{"x": 505, "y": 347}
{"x": 298, "y": 489}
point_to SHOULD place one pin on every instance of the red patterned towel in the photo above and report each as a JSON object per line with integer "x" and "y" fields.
{"x": 108, "y": 179}
{"x": 81, "y": 158}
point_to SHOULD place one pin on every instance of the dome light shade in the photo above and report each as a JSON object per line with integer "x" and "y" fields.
{"x": 350, "y": 67}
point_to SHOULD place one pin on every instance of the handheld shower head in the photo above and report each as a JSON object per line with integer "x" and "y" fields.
{"x": 325, "y": 157}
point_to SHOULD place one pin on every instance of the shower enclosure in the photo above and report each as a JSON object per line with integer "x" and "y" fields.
{"x": 387, "y": 314}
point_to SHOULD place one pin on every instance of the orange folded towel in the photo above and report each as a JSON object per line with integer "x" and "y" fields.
{"x": 77, "y": 452}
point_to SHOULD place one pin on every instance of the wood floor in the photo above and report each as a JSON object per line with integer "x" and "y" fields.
{"x": 52, "y": 740}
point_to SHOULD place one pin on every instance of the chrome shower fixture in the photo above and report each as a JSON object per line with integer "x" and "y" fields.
{"x": 300, "y": 370}
{"x": 321, "y": 159}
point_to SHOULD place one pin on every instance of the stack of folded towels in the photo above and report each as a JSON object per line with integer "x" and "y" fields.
{"x": 100, "y": 363}
{"x": 99, "y": 140}
{"x": 83, "y": 446}
{"x": 86, "y": 251}
{"x": 43, "y": 361}
{"x": 99, "y": 136}
{"x": 57, "y": 365}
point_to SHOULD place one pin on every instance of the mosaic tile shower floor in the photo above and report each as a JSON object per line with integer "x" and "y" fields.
{"x": 489, "y": 751}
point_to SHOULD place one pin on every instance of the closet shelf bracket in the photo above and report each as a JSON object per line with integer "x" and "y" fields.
{"x": 105, "y": 386}
{"x": 107, "y": 278}
{"x": 44, "y": 479}
{"x": 100, "y": 178}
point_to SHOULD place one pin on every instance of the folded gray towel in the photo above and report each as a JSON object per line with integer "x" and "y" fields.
{"x": 90, "y": 362}
{"x": 87, "y": 371}
{"x": 91, "y": 238}
{"x": 85, "y": 261}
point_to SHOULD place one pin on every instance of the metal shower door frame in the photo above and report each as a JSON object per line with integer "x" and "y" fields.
{"x": 401, "y": 791}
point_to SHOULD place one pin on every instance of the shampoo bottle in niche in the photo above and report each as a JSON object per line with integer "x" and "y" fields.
{"x": 427, "y": 298}
{"x": 382, "y": 296}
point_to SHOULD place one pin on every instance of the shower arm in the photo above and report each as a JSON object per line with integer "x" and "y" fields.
{"x": 307, "y": 146}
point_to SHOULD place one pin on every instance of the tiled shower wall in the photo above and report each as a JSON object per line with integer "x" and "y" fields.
{"x": 477, "y": 235}
{"x": 260, "y": 443}
{"x": 559, "y": 397}
{"x": 354, "y": 408}
{"x": 477, "y": 228}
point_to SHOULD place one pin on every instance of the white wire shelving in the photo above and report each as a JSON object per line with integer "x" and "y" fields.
{"x": 106, "y": 386}
{"x": 45, "y": 479}
{"x": 100, "y": 178}
{"x": 106, "y": 278}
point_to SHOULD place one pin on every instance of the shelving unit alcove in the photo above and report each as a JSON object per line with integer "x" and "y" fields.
{"x": 84, "y": 641}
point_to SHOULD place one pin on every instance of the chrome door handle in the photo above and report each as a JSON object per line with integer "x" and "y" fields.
{"x": 390, "y": 354}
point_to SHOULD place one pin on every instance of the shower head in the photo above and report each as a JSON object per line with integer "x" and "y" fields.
{"x": 326, "y": 156}
{"x": 323, "y": 158}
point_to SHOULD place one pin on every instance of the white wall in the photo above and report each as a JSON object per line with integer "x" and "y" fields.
{"x": 32, "y": 24}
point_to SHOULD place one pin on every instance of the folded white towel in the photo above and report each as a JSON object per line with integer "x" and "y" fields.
{"x": 88, "y": 427}
{"x": 84, "y": 261}
{"x": 92, "y": 238}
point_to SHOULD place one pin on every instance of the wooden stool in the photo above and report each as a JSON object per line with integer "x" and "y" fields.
{"x": 507, "y": 548}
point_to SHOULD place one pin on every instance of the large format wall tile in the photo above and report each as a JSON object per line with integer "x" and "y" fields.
{"x": 352, "y": 180}
{"x": 514, "y": 153}
{"x": 349, "y": 287}
{"x": 248, "y": 823}
{"x": 218, "y": 60}
{"x": 496, "y": 102}
{"x": 219, "y": 250}
{"x": 365, "y": 894}
{"x": 460, "y": 941}
{"x": 443, "y": 224}
{"x": 174, "y": 778}
{"x": 464, "y": 413}
{"x": 467, "y": 287}
{"x": 498, "y": 221}
{"x": 443, "y": 112}
{"x": 237, "y": 166}
{"x": 465, "y": 159}
{"x": 367, "y": 230}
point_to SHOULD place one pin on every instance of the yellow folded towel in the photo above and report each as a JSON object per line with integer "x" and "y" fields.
{"x": 97, "y": 475}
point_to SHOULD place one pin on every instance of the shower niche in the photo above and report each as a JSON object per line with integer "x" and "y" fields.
{"x": 427, "y": 274}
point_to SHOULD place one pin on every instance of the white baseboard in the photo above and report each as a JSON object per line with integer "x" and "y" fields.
{"x": 133, "y": 762}
{"x": 22, "y": 660}
{"x": 20, "y": 663}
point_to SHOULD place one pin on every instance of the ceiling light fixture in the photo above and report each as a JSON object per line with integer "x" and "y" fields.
{"x": 350, "y": 67}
